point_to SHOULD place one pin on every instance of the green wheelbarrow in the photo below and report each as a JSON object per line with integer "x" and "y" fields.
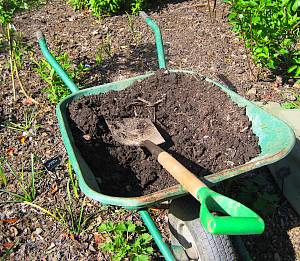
{"x": 276, "y": 140}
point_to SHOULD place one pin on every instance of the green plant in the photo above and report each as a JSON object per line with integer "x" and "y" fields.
{"x": 135, "y": 33}
{"x": 125, "y": 239}
{"x": 56, "y": 89}
{"x": 73, "y": 180}
{"x": 16, "y": 46}
{"x": 108, "y": 7}
{"x": 270, "y": 29}
{"x": 26, "y": 184}
{"x": 71, "y": 219}
{"x": 3, "y": 179}
{"x": 27, "y": 123}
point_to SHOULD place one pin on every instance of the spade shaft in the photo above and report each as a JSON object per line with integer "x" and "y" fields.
{"x": 186, "y": 178}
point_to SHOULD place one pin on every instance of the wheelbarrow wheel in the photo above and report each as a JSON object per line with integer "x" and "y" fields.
{"x": 190, "y": 241}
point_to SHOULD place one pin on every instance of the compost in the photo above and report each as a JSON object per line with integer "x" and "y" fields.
{"x": 202, "y": 127}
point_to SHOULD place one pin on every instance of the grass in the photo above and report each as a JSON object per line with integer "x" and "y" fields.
{"x": 26, "y": 183}
{"x": 136, "y": 34}
{"x": 13, "y": 40}
{"x": 28, "y": 122}
{"x": 3, "y": 178}
{"x": 74, "y": 221}
{"x": 126, "y": 240}
{"x": 104, "y": 49}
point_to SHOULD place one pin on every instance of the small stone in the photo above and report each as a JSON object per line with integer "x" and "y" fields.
{"x": 252, "y": 91}
{"x": 296, "y": 85}
{"x": 91, "y": 248}
{"x": 52, "y": 245}
{"x": 38, "y": 231}
{"x": 87, "y": 137}
{"x": 289, "y": 96}
{"x": 13, "y": 231}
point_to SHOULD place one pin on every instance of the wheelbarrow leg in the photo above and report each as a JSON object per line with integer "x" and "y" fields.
{"x": 163, "y": 247}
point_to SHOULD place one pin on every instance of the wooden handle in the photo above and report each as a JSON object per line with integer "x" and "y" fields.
{"x": 186, "y": 178}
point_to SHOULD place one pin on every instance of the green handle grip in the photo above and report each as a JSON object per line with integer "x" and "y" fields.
{"x": 240, "y": 220}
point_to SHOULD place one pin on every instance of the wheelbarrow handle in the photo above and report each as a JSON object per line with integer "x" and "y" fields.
{"x": 54, "y": 64}
{"x": 240, "y": 220}
{"x": 158, "y": 39}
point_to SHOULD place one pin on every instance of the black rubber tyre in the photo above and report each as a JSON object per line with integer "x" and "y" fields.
{"x": 188, "y": 235}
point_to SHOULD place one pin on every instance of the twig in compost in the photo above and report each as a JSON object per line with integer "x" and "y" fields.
{"x": 149, "y": 104}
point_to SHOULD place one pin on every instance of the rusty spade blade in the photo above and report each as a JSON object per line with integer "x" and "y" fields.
{"x": 134, "y": 131}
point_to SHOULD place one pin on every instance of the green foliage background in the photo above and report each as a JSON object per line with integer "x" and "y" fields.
{"x": 271, "y": 30}
{"x": 108, "y": 7}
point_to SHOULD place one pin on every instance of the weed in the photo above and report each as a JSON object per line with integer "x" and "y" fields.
{"x": 56, "y": 89}
{"x": 108, "y": 7}
{"x": 3, "y": 179}
{"x": 125, "y": 239}
{"x": 13, "y": 40}
{"x": 26, "y": 124}
{"x": 270, "y": 30}
{"x": 104, "y": 49}
{"x": 135, "y": 33}
{"x": 73, "y": 180}
{"x": 26, "y": 185}
{"x": 73, "y": 221}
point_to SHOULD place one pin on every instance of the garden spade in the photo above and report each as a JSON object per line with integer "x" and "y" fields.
{"x": 218, "y": 214}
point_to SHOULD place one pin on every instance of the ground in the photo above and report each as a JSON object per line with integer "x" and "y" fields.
{"x": 192, "y": 40}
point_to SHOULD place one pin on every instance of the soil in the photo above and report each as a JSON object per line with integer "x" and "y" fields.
{"x": 202, "y": 127}
{"x": 195, "y": 41}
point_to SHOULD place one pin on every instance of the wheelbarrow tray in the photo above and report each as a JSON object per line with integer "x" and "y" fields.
{"x": 276, "y": 140}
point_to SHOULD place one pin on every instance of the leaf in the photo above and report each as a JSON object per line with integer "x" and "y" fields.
{"x": 121, "y": 227}
{"x": 255, "y": 19}
{"x": 54, "y": 188}
{"x": 8, "y": 245}
{"x": 10, "y": 151}
{"x": 98, "y": 238}
{"x": 140, "y": 258}
{"x": 12, "y": 220}
{"x": 131, "y": 227}
{"x": 296, "y": 5}
{"x": 22, "y": 139}
{"x": 292, "y": 68}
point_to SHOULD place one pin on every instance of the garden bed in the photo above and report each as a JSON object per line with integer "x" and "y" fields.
{"x": 195, "y": 41}
{"x": 202, "y": 127}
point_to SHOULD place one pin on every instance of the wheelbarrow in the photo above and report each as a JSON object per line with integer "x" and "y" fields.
{"x": 276, "y": 140}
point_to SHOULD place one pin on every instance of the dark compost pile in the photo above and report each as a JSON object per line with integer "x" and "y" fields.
{"x": 202, "y": 127}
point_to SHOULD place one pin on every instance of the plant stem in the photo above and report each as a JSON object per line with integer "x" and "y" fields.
{"x": 21, "y": 84}
{"x": 11, "y": 61}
